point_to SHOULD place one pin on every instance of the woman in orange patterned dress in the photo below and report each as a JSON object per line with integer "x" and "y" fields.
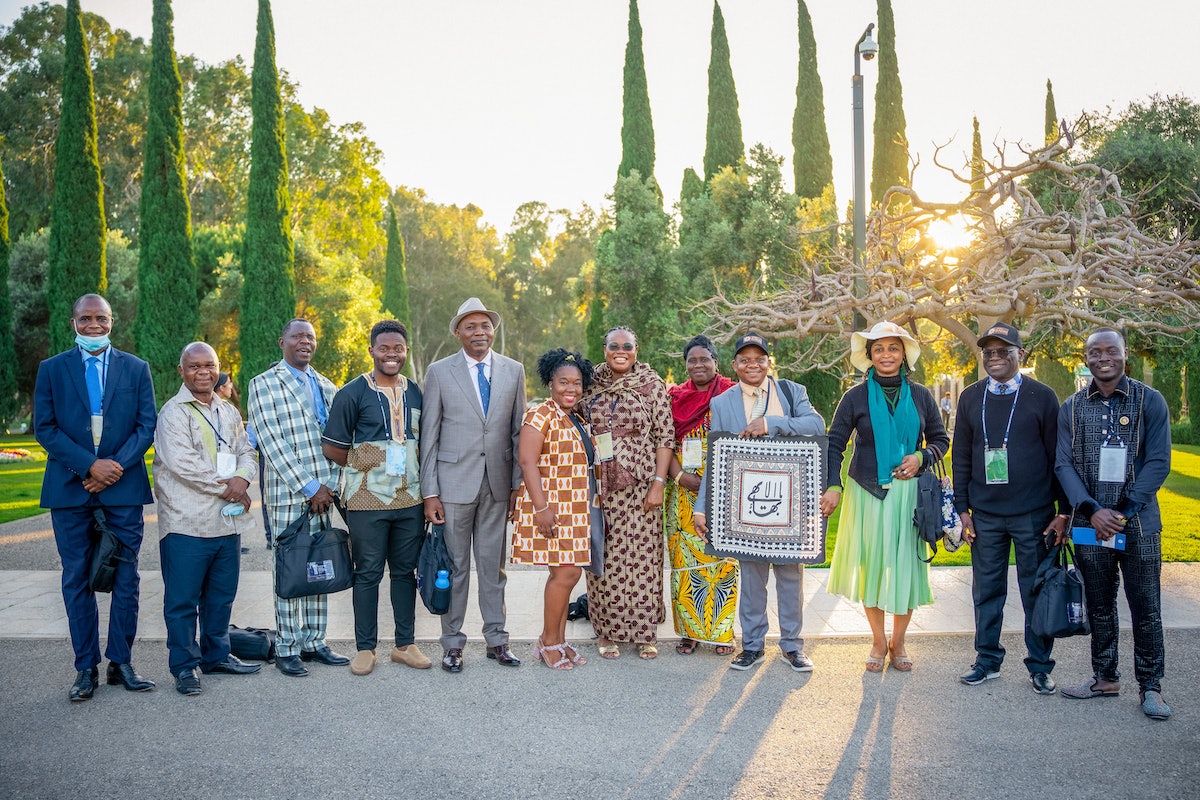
{"x": 554, "y": 513}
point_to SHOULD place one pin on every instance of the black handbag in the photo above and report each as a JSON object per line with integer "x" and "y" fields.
{"x": 256, "y": 644}
{"x": 1060, "y": 605}
{"x": 434, "y": 557}
{"x": 108, "y": 555}
{"x": 309, "y": 564}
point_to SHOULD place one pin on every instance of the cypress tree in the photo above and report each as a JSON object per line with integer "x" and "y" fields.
{"x": 692, "y": 187}
{"x": 1051, "y": 115}
{"x": 637, "y": 126}
{"x": 723, "y": 145}
{"x": 8, "y": 349}
{"x": 395, "y": 272}
{"x": 269, "y": 273}
{"x": 595, "y": 330}
{"x": 167, "y": 304}
{"x": 812, "y": 162}
{"x": 977, "y": 182}
{"x": 890, "y": 164}
{"x": 77, "y": 229}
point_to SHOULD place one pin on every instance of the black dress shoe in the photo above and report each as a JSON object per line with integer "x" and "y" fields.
{"x": 502, "y": 654}
{"x": 187, "y": 682}
{"x": 124, "y": 675}
{"x": 232, "y": 665}
{"x": 452, "y": 660}
{"x": 290, "y": 665}
{"x": 85, "y": 685}
{"x": 324, "y": 655}
{"x": 1042, "y": 683}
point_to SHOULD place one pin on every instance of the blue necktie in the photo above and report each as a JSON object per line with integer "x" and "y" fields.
{"x": 318, "y": 399}
{"x": 485, "y": 388}
{"x": 91, "y": 376}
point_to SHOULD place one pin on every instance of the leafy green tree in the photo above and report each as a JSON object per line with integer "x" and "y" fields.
{"x": 269, "y": 295}
{"x": 812, "y": 161}
{"x": 692, "y": 186}
{"x": 723, "y": 145}
{"x": 637, "y": 126}
{"x": 889, "y": 166}
{"x": 217, "y": 119}
{"x": 639, "y": 280}
{"x": 342, "y": 302}
{"x": 595, "y": 330}
{"x": 77, "y": 212}
{"x": 1051, "y": 124}
{"x": 1168, "y": 379}
{"x": 395, "y": 281}
{"x": 166, "y": 271}
{"x": 1055, "y": 374}
{"x": 8, "y": 352}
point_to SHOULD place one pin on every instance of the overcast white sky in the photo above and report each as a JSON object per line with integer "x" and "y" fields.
{"x": 497, "y": 103}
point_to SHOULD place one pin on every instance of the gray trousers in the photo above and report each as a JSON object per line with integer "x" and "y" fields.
{"x": 477, "y": 527}
{"x": 752, "y": 604}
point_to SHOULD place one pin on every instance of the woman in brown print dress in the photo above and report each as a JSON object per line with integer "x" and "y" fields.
{"x": 634, "y": 432}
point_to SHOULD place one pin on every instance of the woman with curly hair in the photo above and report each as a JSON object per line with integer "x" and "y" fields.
{"x": 635, "y": 442}
{"x": 554, "y": 513}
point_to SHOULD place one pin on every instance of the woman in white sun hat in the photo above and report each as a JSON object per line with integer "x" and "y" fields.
{"x": 898, "y": 432}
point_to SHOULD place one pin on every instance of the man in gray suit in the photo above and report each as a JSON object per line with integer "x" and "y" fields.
{"x": 473, "y": 408}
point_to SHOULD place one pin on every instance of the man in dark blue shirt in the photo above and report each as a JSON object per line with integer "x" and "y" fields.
{"x": 1005, "y": 492}
{"x": 1114, "y": 452}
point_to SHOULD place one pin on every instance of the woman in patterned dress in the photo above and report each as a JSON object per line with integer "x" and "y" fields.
{"x": 703, "y": 588}
{"x": 898, "y": 432}
{"x": 631, "y": 422}
{"x": 553, "y": 525}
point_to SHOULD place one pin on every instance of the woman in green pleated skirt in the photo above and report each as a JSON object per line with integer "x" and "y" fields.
{"x": 897, "y": 430}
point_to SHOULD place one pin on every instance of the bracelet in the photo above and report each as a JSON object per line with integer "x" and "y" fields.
{"x": 540, "y": 510}
{"x": 661, "y": 480}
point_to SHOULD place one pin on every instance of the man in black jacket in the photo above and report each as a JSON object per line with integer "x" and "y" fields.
{"x": 1005, "y": 490}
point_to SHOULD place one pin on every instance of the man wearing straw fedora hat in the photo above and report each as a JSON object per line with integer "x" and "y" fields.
{"x": 473, "y": 407}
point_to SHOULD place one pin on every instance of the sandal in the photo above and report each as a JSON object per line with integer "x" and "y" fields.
{"x": 576, "y": 659}
{"x": 899, "y": 663}
{"x": 875, "y": 664}
{"x": 610, "y": 651}
{"x": 540, "y": 650}
{"x": 724, "y": 649}
{"x": 647, "y": 651}
{"x": 1088, "y": 689}
{"x": 685, "y": 647}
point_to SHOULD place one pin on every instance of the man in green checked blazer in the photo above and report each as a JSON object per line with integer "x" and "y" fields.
{"x": 288, "y": 407}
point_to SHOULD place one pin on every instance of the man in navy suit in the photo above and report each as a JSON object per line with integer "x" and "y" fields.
{"x": 93, "y": 412}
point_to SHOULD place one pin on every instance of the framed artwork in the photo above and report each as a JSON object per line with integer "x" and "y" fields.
{"x": 763, "y": 498}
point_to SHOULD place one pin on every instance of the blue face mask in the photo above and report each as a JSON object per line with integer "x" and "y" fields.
{"x": 90, "y": 343}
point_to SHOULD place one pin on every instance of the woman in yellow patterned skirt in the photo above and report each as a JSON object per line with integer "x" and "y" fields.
{"x": 554, "y": 514}
{"x": 703, "y": 588}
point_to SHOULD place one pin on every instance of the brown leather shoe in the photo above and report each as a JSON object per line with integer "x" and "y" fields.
{"x": 452, "y": 660}
{"x": 411, "y": 655}
{"x": 502, "y": 654}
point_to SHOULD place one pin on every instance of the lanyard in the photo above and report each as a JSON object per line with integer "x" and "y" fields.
{"x": 612, "y": 412}
{"x": 216, "y": 410}
{"x": 1011, "y": 411}
{"x": 386, "y": 413}
{"x": 587, "y": 440}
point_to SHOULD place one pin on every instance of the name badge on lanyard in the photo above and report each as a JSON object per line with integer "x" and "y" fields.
{"x": 995, "y": 465}
{"x": 604, "y": 446}
{"x": 226, "y": 465}
{"x": 1112, "y": 463}
{"x": 396, "y": 458}
{"x": 693, "y": 452}
{"x": 97, "y": 429}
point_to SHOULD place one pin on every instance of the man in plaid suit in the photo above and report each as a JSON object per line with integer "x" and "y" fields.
{"x": 288, "y": 407}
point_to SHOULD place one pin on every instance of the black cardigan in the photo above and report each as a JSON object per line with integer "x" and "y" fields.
{"x": 854, "y": 417}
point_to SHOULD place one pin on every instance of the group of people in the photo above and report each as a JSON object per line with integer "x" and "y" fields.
{"x": 619, "y": 460}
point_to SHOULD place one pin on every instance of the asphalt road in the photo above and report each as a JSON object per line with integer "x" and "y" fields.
{"x": 676, "y": 727}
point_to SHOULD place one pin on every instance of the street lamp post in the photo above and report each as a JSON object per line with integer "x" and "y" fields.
{"x": 864, "y": 49}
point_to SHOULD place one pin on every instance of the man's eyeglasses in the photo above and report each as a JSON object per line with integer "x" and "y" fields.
{"x": 626, "y": 346}
{"x": 999, "y": 352}
{"x": 762, "y": 361}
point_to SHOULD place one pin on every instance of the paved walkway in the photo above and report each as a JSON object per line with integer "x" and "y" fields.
{"x": 31, "y": 605}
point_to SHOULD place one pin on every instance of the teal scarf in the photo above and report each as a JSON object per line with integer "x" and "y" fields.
{"x": 895, "y": 431}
